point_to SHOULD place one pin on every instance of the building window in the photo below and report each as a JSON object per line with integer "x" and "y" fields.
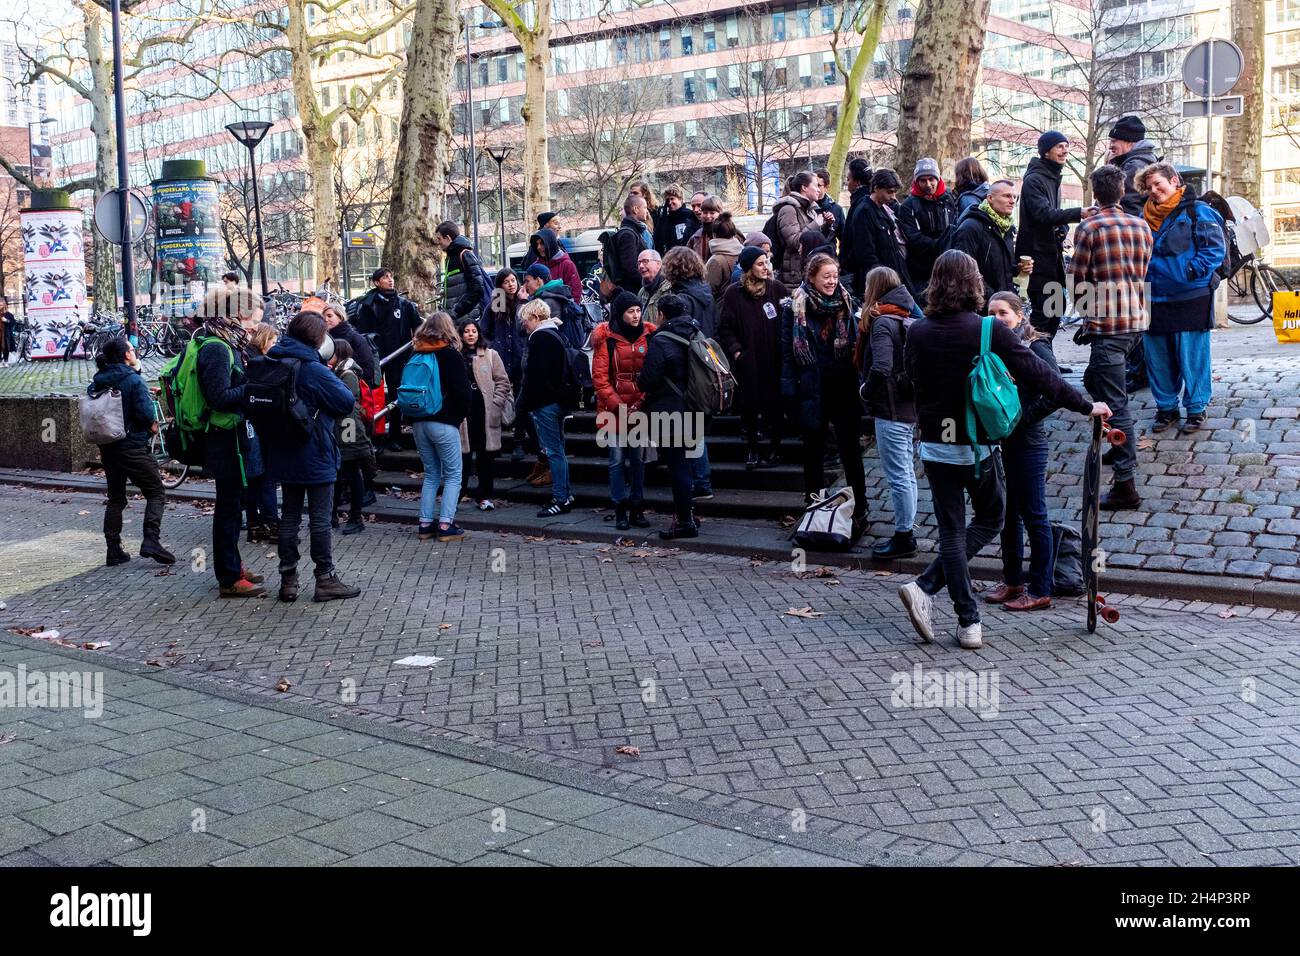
{"x": 829, "y": 74}
{"x": 828, "y": 19}
{"x": 688, "y": 88}
{"x": 805, "y": 71}
{"x": 710, "y": 39}
{"x": 733, "y": 32}
{"x": 688, "y": 42}
{"x": 804, "y": 16}
{"x": 778, "y": 26}
{"x": 620, "y": 49}
{"x": 1286, "y": 222}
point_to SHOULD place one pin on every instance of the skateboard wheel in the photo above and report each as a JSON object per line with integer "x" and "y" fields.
{"x": 1116, "y": 437}
{"x": 1109, "y": 614}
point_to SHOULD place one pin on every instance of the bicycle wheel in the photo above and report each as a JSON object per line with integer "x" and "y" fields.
{"x": 171, "y": 471}
{"x": 71, "y": 347}
{"x": 1263, "y": 283}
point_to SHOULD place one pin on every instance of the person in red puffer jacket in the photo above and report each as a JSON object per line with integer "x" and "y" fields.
{"x": 618, "y": 350}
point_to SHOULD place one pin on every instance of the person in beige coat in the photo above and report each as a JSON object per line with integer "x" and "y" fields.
{"x": 724, "y": 250}
{"x": 489, "y": 391}
{"x": 796, "y": 212}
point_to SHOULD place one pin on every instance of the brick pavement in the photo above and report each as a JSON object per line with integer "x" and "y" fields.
{"x": 1167, "y": 738}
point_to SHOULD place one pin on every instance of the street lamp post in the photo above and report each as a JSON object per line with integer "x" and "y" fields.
{"x": 469, "y": 114}
{"x": 123, "y": 172}
{"x": 250, "y": 133}
{"x": 499, "y": 154}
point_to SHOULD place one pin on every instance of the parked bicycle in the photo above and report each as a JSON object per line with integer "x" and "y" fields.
{"x": 171, "y": 471}
{"x": 1261, "y": 279}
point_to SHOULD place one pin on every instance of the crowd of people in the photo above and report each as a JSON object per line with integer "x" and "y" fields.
{"x": 827, "y": 316}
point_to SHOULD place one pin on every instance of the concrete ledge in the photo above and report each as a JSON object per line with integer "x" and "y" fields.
{"x": 43, "y": 433}
{"x": 739, "y": 539}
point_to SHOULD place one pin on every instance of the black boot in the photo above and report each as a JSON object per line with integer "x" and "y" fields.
{"x": 638, "y": 518}
{"x": 901, "y": 545}
{"x": 751, "y": 457}
{"x": 681, "y": 528}
{"x": 621, "y": 521}
{"x": 1123, "y": 496}
{"x": 154, "y": 549}
{"x": 116, "y": 554}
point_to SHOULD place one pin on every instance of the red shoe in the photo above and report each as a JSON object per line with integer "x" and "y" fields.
{"x": 243, "y": 589}
{"x": 1003, "y": 593}
{"x": 1027, "y": 602}
{"x": 250, "y": 577}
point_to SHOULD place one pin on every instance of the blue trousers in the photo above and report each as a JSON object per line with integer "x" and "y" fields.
{"x": 1026, "y": 473}
{"x": 1178, "y": 365}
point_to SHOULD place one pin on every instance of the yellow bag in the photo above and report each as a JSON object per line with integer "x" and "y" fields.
{"x": 1286, "y": 317}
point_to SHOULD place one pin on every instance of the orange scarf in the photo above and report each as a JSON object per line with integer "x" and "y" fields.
{"x": 1154, "y": 213}
{"x": 864, "y": 330}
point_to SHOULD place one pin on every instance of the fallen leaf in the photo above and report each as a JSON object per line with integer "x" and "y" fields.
{"x": 820, "y": 572}
{"x": 8, "y": 737}
{"x": 1227, "y": 613}
{"x": 593, "y": 643}
{"x": 755, "y": 563}
{"x": 625, "y": 542}
{"x": 604, "y": 550}
{"x": 806, "y": 612}
{"x": 1146, "y": 443}
{"x": 283, "y": 685}
{"x": 788, "y": 521}
{"x": 83, "y": 512}
{"x": 534, "y": 537}
{"x": 96, "y": 645}
{"x": 643, "y": 554}
{"x": 883, "y": 574}
{"x": 162, "y": 572}
{"x": 572, "y": 541}
{"x": 444, "y": 627}
{"x": 154, "y": 663}
{"x": 629, "y": 750}
{"x": 606, "y": 560}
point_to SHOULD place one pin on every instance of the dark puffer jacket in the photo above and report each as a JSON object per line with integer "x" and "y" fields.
{"x": 390, "y": 317}
{"x": 992, "y": 251}
{"x": 137, "y": 406}
{"x": 666, "y": 364}
{"x": 674, "y": 228}
{"x": 316, "y": 462}
{"x": 468, "y": 286}
{"x": 1142, "y": 155}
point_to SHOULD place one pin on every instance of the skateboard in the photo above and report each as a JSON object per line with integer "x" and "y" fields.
{"x": 1091, "y": 514}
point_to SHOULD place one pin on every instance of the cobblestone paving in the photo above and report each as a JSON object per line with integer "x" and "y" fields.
{"x": 57, "y": 377}
{"x": 1170, "y": 737}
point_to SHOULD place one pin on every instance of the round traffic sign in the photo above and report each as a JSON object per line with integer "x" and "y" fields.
{"x": 108, "y": 217}
{"x": 1212, "y": 67}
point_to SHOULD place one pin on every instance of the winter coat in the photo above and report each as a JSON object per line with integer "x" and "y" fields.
{"x": 666, "y": 361}
{"x": 507, "y": 339}
{"x": 927, "y": 226}
{"x": 794, "y": 214}
{"x": 616, "y": 362}
{"x": 837, "y": 226}
{"x": 1043, "y": 223}
{"x": 803, "y": 383}
{"x": 493, "y": 388}
{"x": 544, "y": 372}
{"x": 1142, "y": 155}
{"x": 993, "y": 252}
{"x": 557, "y": 297}
{"x": 362, "y": 353}
{"x": 650, "y": 296}
{"x": 1184, "y": 255}
{"x": 137, "y": 405}
{"x": 558, "y": 261}
{"x": 674, "y": 228}
{"x": 888, "y": 390}
{"x": 390, "y": 317}
{"x": 699, "y": 302}
{"x": 468, "y": 288}
{"x": 854, "y": 239}
{"x": 454, "y": 383}
{"x": 752, "y": 327}
{"x": 880, "y": 247}
{"x": 968, "y": 197}
{"x": 938, "y": 355}
{"x": 222, "y": 385}
{"x": 627, "y": 246}
{"x": 359, "y": 447}
{"x": 317, "y": 461}
{"x": 723, "y": 256}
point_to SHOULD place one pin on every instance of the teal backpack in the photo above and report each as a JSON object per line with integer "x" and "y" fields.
{"x": 992, "y": 402}
{"x": 420, "y": 393}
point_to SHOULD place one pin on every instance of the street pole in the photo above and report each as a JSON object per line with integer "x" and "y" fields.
{"x": 257, "y": 219}
{"x": 499, "y": 155}
{"x": 1209, "y": 117}
{"x": 31, "y": 156}
{"x": 123, "y": 174}
{"x": 472, "y": 159}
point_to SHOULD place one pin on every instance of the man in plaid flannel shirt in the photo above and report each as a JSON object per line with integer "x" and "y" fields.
{"x": 1111, "y": 252}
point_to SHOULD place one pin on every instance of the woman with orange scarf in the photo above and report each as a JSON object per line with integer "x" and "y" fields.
{"x": 887, "y": 311}
{"x": 1188, "y": 247}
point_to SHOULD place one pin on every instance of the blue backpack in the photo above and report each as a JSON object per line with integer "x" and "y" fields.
{"x": 420, "y": 393}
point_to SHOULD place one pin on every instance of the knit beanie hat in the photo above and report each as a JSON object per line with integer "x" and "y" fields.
{"x": 1129, "y": 129}
{"x": 539, "y": 271}
{"x": 1049, "y": 140}
{"x": 748, "y": 256}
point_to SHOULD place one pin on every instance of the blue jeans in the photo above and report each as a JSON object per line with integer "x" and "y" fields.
{"x": 439, "y": 448}
{"x": 700, "y": 480}
{"x": 894, "y": 442}
{"x": 1026, "y": 471}
{"x": 549, "y": 422}
{"x": 623, "y": 459}
{"x": 1178, "y": 366}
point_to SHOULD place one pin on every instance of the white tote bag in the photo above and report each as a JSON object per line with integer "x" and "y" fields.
{"x": 103, "y": 420}
{"x": 827, "y": 523}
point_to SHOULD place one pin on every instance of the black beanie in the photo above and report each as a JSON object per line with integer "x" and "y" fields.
{"x": 1129, "y": 129}
{"x": 748, "y": 256}
{"x": 671, "y": 305}
{"x": 543, "y": 218}
{"x": 1049, "y": 140}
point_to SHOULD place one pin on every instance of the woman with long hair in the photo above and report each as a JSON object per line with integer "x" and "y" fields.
{"x": 642, "y": 188}
{"x": 489, "y": 389}
{"x": 818, "y": 339}
{"x": 724, "y": 251}
{"x": 437, "y": 436}
{"x": 260, "y": 502}
{"x": 970, "y": 182}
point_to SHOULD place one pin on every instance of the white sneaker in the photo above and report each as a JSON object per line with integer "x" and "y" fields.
{"x": 486, "y": 505}
{"x": 971, "y": 638}
{"x": 919, "y": 608}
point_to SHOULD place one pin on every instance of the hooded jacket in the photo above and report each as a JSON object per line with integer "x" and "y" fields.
{"x": 674, "y": 228}
{"x": 1142, "y": 154}
{"x": 362, "y": 353}
{"x": 359, "y": 432}
{"x": 994, "y": 253}
{"x": 666, "y": 360}
{"x": 855, "y": 239}
{"x": 468, "y": 286}
{"x": 390, "y": 317}
{"x": 1043, "y": 223}
{"x": 558, "y": 261}
{"x": 544, "y": 371}
{"x": 617, "y": 357}
{"x": 969, "y": 197}
{"x": 794, "y": 214}
{"x": 927, "y": 225}
{"x": 137, "y": 406}
{"x": 723, "y": 254}
{"x": 557, "y": 297}
{"x": 699, "y": 303}
{"x": 328, "y": 399}
{"x": 888, "y": 389}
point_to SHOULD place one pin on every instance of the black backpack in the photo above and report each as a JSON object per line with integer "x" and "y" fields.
{"x": 271, "y": 400}
{"x": 773, "y": 233}
{"x": 577, "y": 372}
{"x": 609, "y": 255}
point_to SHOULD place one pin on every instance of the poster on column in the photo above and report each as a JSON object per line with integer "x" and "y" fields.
{"x": 54, "y": 278}
{"x": 188, "y": 250}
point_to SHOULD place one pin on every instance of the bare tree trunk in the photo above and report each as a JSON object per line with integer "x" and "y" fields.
{"x": 868, "y": 29}
{"x": 321, "y": 146}
{"x": 423, "y": 151}
{"x": 537, "y": 164}
{"x": 1242, "y": 146}
{"x": 100, "y": 62}
{"x": 939, "y": 81}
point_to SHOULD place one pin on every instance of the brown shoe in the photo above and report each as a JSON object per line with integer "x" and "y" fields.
{"x": 1123, "y": 496}
{"x": 1003, "y": 593}
{"x": 1027, "y": 602}
{"x": 539, "y": 467}
{"x": 543, "y": 477}
{"x": 250, "y": 577}
{"x": 243, "y": 589}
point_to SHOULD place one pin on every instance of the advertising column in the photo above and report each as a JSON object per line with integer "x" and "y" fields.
{"x": 188, "y": 252}
{"x": 54, "y": 271}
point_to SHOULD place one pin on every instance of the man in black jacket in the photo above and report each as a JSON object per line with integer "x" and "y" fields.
{"x": 985, "y": 233}
{"x": 926, "y": 218}
{"x": 544, "y": 397}
{"x": 939, "y": 353}
{"x": 468, "y": 288}
{"x": 852, "y": 238}
{"x": 883, "y": 243}
{"x": 626, "y": 245}
{"x": 828, "y": 205}
{"x": 1043, "y": 228}
{"x": 677, "y": 222}
{"x": 393, "y": 319}
{"x": 1132, "y": 152}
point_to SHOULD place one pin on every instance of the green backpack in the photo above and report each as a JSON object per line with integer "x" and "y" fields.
{"x": 191, "y": 415}
{"x": 992, "y": 402}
